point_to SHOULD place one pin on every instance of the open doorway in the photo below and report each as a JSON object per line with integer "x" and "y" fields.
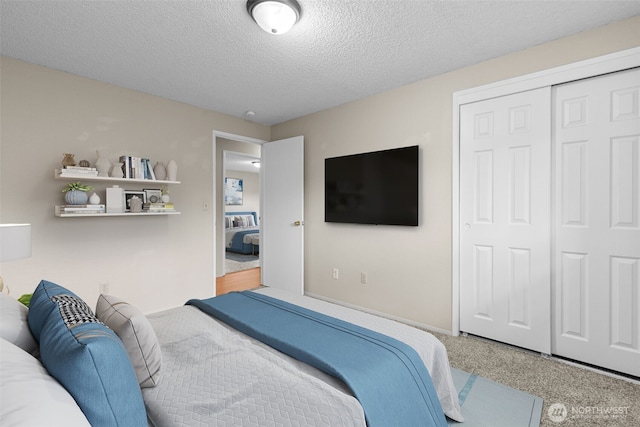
{"x": 251, "y": 147}
{"x": 281, "y": 209}
{"x": 241, "y": 211}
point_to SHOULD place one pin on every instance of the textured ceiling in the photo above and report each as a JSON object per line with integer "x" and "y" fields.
{"x": 240, "y": 162}
{"x": 212, "y": 55}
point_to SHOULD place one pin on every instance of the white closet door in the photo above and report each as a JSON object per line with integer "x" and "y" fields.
{"x": 597, "y": 221}
{"x": 505, "y": 149}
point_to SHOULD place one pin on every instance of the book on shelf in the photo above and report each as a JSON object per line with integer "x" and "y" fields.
{"x": 80, "y": 209}
{"x": 158, "y": 207}
{"x": 152, "y": 174}
{"x": 89, "y": 208}
{"x": 76, "y": 173}
{"x": 82, "y": 212}
{"x": 137, "y": 167}
{"x": 80, "y": 168}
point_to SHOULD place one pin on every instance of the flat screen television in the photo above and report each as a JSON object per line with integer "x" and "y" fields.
{"x": 379, "y": 187}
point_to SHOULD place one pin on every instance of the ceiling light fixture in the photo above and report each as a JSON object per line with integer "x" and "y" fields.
{"x": 274, "y": 16}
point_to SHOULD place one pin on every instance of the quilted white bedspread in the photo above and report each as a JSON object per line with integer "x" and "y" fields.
{"x": 213, "y": 375}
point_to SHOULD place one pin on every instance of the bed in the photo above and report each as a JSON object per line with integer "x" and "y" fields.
{"x": 242, "y": 232}
{"x": 185, "y": 367}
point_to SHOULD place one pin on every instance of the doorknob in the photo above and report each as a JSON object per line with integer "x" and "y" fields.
{"x": 467, "y": 226}
{"x": 298, "y": 223}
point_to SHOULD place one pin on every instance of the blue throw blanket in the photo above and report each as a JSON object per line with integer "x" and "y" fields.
{"x": 387, "y": 376}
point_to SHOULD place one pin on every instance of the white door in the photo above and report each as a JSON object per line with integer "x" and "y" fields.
{"x": 597, "y": 221}
{"x": 505, "y": 149}
{"x": 282, "y": 237}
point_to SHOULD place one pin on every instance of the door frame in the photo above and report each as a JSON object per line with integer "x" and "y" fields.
{"x": 610, "y": 63}
{"x": 218, "y": 208}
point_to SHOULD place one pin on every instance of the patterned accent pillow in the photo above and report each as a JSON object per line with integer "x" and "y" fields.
{"x": 86, "y": 357}
{"x": 74, "y": 311}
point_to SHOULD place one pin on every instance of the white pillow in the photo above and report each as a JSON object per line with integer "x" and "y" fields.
{"x": 30, "y": 396}
{"x": 245, "y": 221}
{"x": 228, "y": 221}
{"x": 137, "y": 334}
{"x": 14, "y": 326}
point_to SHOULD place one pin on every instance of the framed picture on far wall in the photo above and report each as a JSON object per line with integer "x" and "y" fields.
{"x": 232, "y": 191}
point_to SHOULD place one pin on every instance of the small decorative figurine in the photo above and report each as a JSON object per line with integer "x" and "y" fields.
{"x": 68, "y": 160}
{"x": 135, "y": 204}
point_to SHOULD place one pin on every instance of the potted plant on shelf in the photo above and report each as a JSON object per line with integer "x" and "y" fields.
{"x": 76, "y": 193}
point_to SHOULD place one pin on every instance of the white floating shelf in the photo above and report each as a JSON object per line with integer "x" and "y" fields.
{"x": 93, "y": 215}
{"x": 110, "y": 179}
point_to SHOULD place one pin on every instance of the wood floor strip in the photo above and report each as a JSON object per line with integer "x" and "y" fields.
{"x": 238, "y": 281}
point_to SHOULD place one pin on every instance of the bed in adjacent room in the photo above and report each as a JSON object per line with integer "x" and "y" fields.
{"x": 242, "y": 232}
{"x": 190, "y": 366}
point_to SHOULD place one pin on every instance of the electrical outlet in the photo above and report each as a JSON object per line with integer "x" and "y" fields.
{"x": 104, "y": 287}
{"x": 363, "y": 278}
{"x": 335, "y": 274}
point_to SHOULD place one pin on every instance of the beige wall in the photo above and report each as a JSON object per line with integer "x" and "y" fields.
{"x": 409, "y": 268}
{"x": 163, "y": 261}
{"x": 155, "y": 262}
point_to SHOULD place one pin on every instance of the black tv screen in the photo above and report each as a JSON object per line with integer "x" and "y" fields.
{"x": 379, "y": 187}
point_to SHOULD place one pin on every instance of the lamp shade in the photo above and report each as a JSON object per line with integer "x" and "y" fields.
{"x": 15, "y": 241}
{"x": 274, "y": 16}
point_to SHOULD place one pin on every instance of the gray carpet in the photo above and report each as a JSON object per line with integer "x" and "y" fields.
{"x": 238, "y": 262}
{"x": 576, "y": 396}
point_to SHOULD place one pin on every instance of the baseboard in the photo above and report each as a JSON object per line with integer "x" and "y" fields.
{"x": 381, "y": 314}
{"x": 609, "y": 373}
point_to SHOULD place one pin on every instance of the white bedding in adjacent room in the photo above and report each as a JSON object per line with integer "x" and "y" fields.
{"x": 231, "y": 232}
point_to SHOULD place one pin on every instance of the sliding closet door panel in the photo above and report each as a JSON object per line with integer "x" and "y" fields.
{"x": 596, "y": 221}
{"x": 505, "y": 154}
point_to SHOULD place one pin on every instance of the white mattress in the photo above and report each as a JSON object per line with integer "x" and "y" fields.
{"x": 213, "y": 375}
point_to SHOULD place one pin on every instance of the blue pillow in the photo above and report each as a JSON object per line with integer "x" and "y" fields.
{"x": 86, "y": 357}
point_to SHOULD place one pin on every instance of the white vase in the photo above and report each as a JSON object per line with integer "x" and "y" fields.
{"x": 94, "y": 199}
{"x": 172, "y": 170}
{"x": 116, "y": 171}
{"x": 102, "y": 164}
{"x": 159, "y": 171}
